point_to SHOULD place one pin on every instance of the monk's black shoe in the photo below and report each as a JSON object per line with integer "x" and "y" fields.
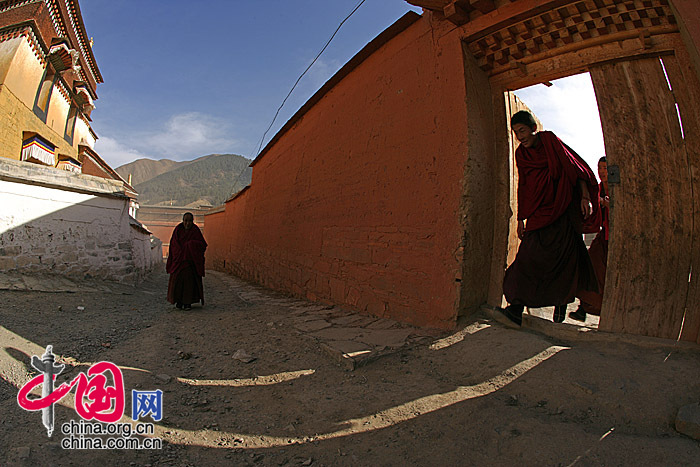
{"x": 514, "y": 313}
{"x": 578, "y": 315}
{"x": 178, "y": 305}
{"x": 559, "y": 314}
{"x": 187, "y": 307}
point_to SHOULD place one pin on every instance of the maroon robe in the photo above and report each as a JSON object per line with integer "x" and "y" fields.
{"x": 548, "y": 182}
{"x": 591, "y": 302}
{"x": 552, "y": 262}
{"x": 186, "y": 265}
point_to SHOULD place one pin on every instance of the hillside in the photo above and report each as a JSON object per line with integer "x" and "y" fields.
{"x": 209, "y": 179}
{"x": 142, "y": 170}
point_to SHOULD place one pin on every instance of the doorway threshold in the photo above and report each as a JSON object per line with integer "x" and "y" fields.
{"x": 577, "y": 333}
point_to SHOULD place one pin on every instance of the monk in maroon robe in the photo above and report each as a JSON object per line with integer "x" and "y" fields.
{"x": 186, "y": 264}
{"x": 555, "y": 189}
{"x": 591, "y": 302}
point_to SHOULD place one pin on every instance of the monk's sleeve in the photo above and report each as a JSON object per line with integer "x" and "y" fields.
{"x": 577, "y": 170}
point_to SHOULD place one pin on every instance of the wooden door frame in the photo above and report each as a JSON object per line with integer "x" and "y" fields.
{"x": 559, "y": 63}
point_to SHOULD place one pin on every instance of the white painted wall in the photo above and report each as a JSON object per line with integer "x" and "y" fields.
{"x": 58, "y": 231}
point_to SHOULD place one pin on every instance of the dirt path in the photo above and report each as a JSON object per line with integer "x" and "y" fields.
{"x": 485, "y": 395}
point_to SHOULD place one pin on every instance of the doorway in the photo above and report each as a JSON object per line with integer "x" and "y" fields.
{"x": 629, "y": 49}
{"x": 568, "y": 107}
{"x": 652, "y": 141}
{"x": 646, "y": 101}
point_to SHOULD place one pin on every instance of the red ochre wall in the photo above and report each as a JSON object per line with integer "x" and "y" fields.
{"x": 90, "y": 168}
{"x": 163, "y": 232}
{"x": 358, "y": 203}
{"x": 161, "y": 221}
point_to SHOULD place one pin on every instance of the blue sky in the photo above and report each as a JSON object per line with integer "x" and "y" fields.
{"x": 184, "y": 79}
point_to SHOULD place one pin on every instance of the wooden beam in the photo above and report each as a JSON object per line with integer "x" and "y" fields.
{"x": 576, "y": 58}
{"x": 645, "y": 39}
{"x": 429, "y": 4}
{"x": 455, "y": 14}
{"x": 484, "y": 6}
{"x": 572, "y": 46}
{"x": 506, "y": 15}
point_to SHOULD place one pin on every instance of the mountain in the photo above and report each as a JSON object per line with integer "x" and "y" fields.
{"x": 142, "y": 170}
{"x": 207, "y": 180}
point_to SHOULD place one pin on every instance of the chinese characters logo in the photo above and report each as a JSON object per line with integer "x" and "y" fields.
{"x": 96, "y": 397}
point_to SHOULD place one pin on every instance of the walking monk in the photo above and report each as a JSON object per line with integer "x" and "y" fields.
{"x": 555, "y": 188}
{"x": 598, "y": 251}
{"x": 186, "y": 264}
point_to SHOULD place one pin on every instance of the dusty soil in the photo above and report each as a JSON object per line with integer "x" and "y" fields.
{"x": 483, "y": 395}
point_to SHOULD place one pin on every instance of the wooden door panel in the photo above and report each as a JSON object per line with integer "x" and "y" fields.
{"x": 651, "y": 216}
{"x": 686, "y": 89}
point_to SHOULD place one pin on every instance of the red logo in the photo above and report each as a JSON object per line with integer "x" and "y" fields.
{"x": 94, "y": 399}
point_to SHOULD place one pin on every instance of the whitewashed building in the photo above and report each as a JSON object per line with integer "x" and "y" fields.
{"x": 76, "y": 225}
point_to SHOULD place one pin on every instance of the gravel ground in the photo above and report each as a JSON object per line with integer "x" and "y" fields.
{"x": 482, "y": 395}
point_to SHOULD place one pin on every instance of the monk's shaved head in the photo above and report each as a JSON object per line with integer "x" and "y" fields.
{"x": 524, "y": 118}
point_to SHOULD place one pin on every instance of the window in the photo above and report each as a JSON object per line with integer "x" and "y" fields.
{"x": 69, "y": 164}
{"x": 70, "y": 124}
{"x": 43, "y": 95}
{"x": 37, "y": 150}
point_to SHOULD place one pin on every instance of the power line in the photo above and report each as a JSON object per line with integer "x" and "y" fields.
{"x": 302, "y": 75}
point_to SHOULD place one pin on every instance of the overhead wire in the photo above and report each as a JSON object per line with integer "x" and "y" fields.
{"x": 257, "y": 152}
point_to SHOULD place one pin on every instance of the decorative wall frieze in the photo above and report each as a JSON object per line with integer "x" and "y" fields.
{"x": 62, "y": 57}
{"x": 63, "y": 89}
{"x": 61, "y": 31}
{"x": 83, "y": 99}
{"x": 576, "y": 22}
{"x": 54, "y": 13}
{"x": 81, "y": 41}
{"x": 27, "y": 32}
{"x": 11, "y": 5}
